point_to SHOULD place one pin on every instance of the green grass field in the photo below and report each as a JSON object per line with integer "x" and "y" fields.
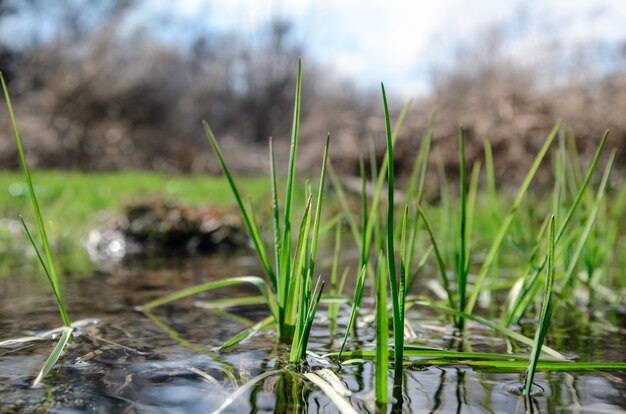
{"x": 73, "y": 200}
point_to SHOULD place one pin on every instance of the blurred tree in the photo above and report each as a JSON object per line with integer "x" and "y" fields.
{"x": 7, "y": 55}
{"x": 267, "y": 77}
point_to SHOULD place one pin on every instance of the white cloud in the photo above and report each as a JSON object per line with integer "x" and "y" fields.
{"x": 397, "y": 41}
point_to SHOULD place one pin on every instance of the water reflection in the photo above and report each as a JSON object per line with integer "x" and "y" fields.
{"x": 179, "y": 369}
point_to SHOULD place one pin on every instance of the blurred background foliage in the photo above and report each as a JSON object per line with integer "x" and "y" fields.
{"x": 98, "y": 89}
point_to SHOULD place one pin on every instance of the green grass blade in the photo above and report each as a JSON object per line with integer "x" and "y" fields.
{"x": 546, "y": 313}
{"x": 252, "y": 229}
{"x": 373, "y": 214}
{"x": 259, "y": 283}
{"x": 591, "y": 218}
{"x": 382, "y": 333}
{"x": 247, "y": 333}
{"x": 310, "y": 317}
{"x": 418, "y": 268}
{"x": 43, "y": 266}
{"x": 364, "y": 218}
{"x": 333, "y": 309}
{"x": 525, "y": 299}
{"x": 485, "y": 322}
{"x": 54, "y": 355}
{"x": 461, "y": 265}
{"x": 515, "y": 300}
{"x": 318, "y": 207}
{"x": 492, "y": 193}
{"x": 445, "y": 210}
{"x": 486, "y": 360}
{"x": 293, "y": 295}
{"x": 411, "y": 351}
{"x": 373, "y": 161}
{"x": 502, "y": 231}
{"x": 417, "y": 181}
{"x": 293, "y": 153}
{"x": 583, "y": 188}
{"x": 520, "y": 365}
{"x": 440, "y": 261}
{"x": 39, "y": 257}
{"x": 345, "y": 205}
{"x": 398, "y": 324}
{"x": 358, "y": 294}
{"x": 404, "y": 265}
{"x": 275, "y": 217}
{"x": 51, "y": 267}
{"x": 471, "y": 204}
{"x": 232, "y": 302}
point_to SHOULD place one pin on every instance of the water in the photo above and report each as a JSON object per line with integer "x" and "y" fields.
{"x": 128, "y": 362}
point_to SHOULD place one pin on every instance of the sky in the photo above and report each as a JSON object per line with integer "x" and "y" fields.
{"x": 400, "y": 41}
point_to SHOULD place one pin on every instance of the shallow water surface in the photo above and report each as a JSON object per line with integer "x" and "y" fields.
{"x": 126, "y": 362}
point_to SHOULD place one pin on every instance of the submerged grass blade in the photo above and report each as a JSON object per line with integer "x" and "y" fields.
{"x": 342, "y": 405}
{"x": 54, "y": 355}
{"x": 546, "y": 313}
{"x": 243, "y": 389}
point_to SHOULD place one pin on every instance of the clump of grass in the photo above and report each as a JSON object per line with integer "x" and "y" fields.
{"x": 291, "y": 295}
{"x": 48, "y": 265}
{"x": 521, "y": 301}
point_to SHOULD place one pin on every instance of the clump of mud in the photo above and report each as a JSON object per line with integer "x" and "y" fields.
{"x": 161, "y": 227}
